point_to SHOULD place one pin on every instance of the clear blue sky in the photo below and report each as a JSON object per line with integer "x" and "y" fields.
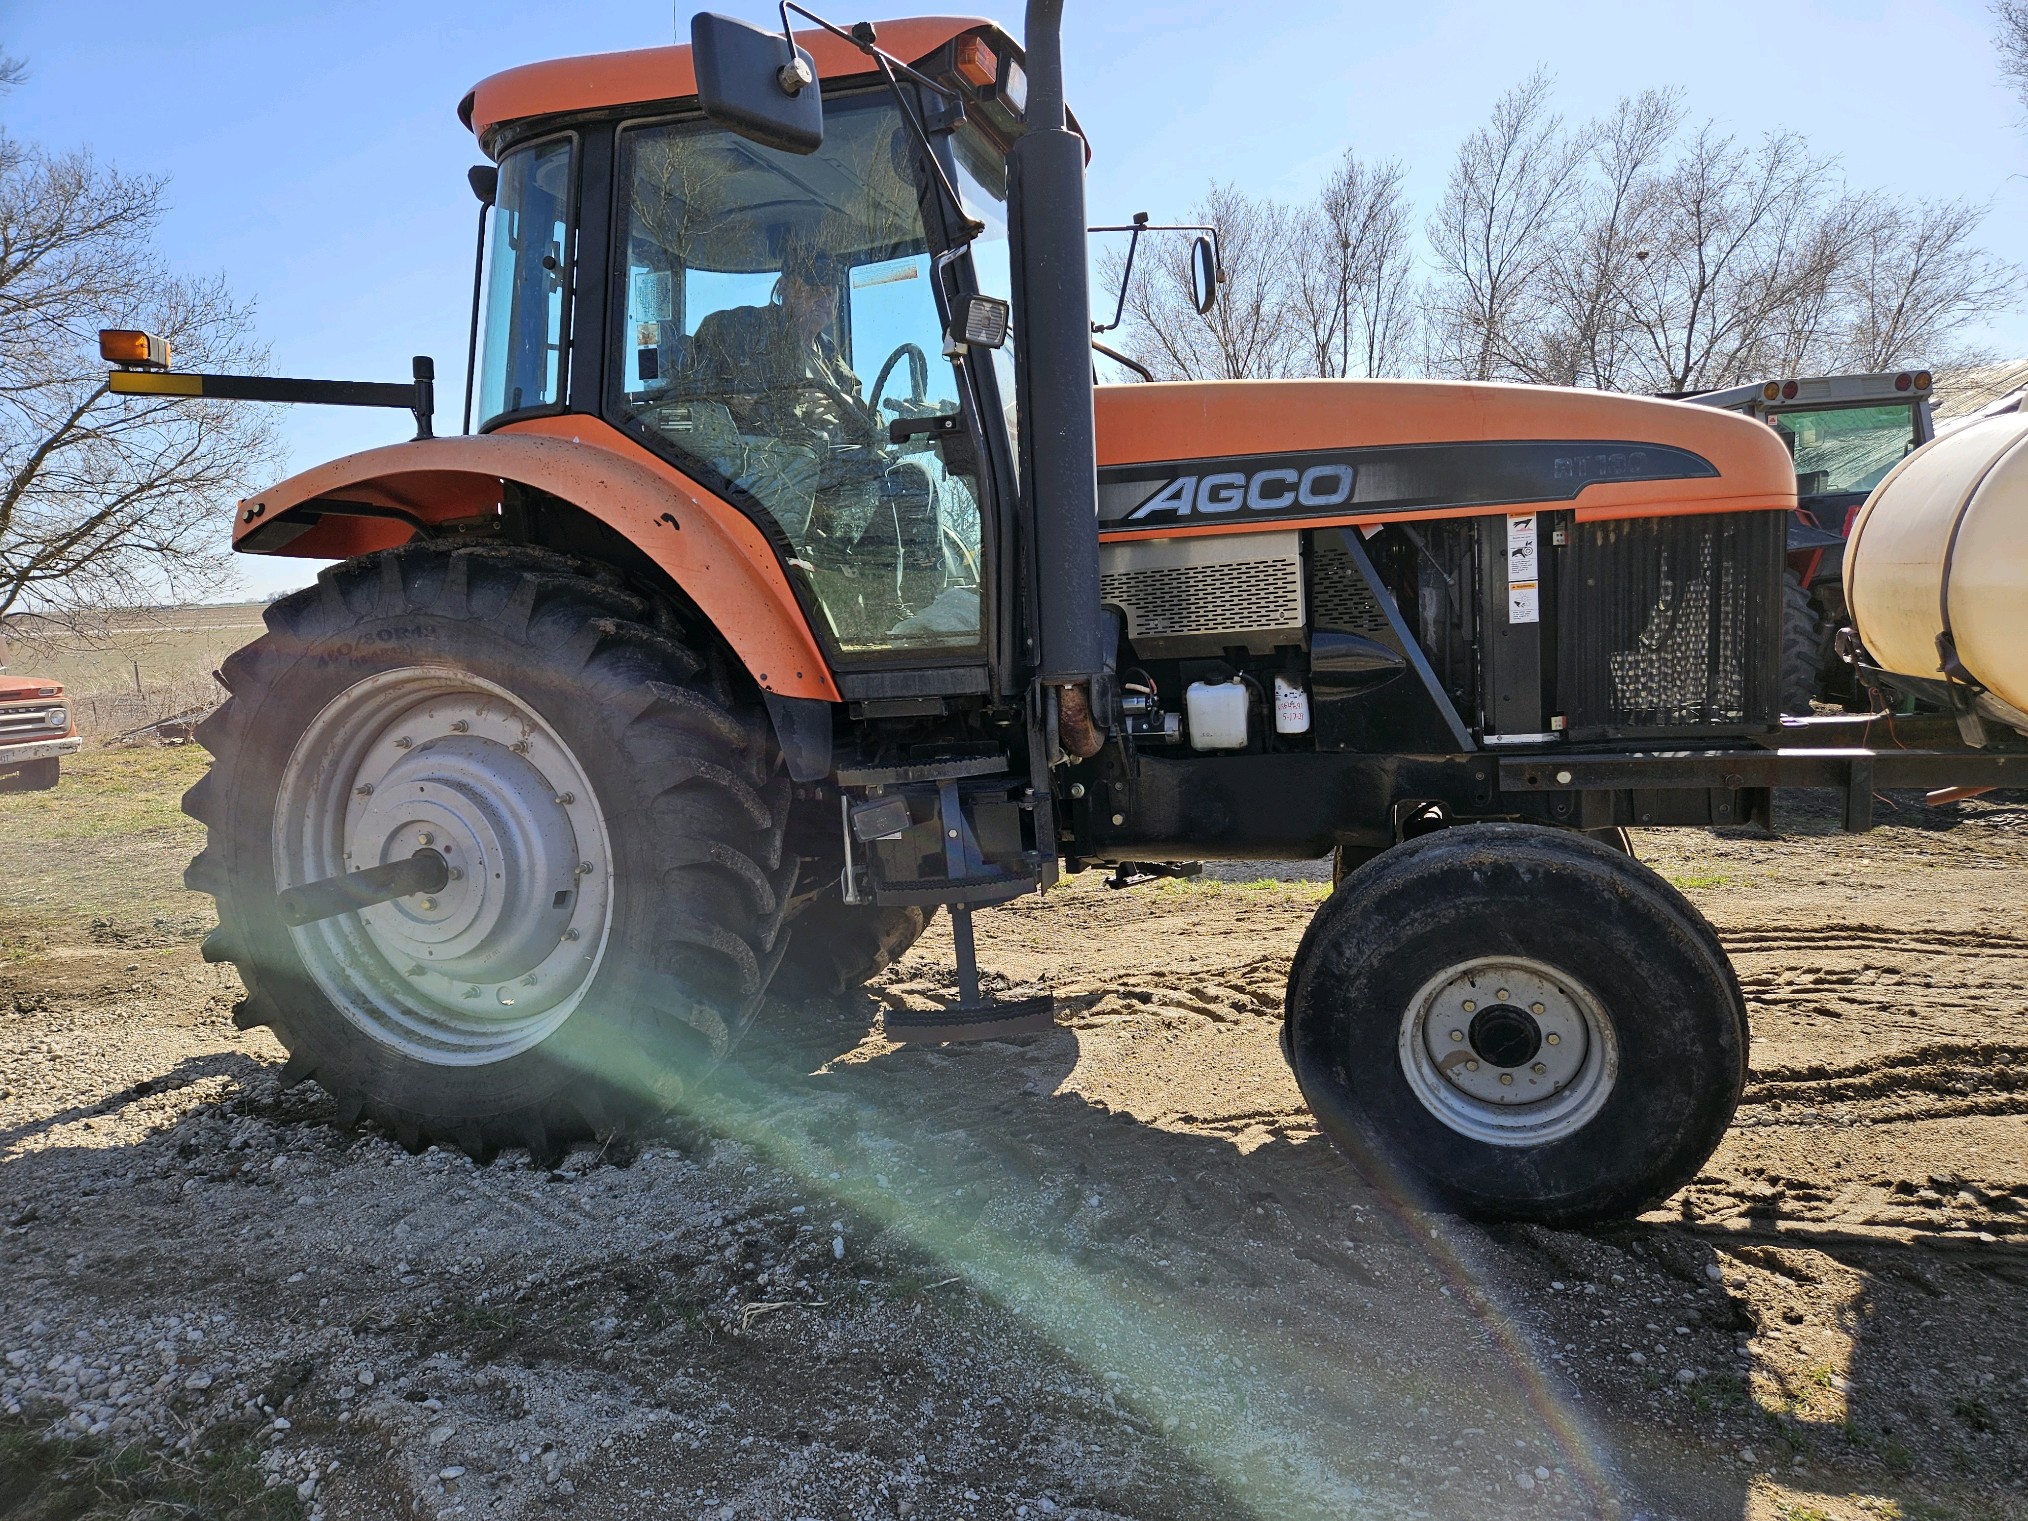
{"x": 315, "y": 157}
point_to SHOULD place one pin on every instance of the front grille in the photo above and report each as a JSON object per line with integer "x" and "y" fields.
{"x": 1672, "y": 624}
{"x": 1186, "y": 596}
{"x": 26, "y": 722}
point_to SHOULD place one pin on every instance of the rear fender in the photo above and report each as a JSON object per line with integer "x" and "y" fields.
{"x": 713, "y": 552}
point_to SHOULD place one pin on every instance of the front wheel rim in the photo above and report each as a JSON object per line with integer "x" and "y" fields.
{"x": 1508, "y": 1051}
{"x": 434, "y": 757}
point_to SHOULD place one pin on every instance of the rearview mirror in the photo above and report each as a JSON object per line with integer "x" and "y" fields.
{"x": 1204, "y": 275}
{"x": 757, "y": 83}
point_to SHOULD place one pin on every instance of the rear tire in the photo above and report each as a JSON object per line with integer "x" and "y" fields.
{"x": 835, "y": 946}
{"x": 1805, "y": 643}
{"x": 32, "y": 776}
{"x": 1517, "y": 1023}
{"x": 614, "y": 796}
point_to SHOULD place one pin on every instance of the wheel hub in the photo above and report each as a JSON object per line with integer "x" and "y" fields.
{"x": 1508, "y": 1050}
{"x": 441, "y": 760}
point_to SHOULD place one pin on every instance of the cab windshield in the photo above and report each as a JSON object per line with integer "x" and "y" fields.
{"x": 780, "y": 315}
{"x": 1847, "y": 448}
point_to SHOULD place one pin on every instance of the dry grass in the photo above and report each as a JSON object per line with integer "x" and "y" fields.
{"x": 101, "y": 856}
{"x": 142, "y": 666}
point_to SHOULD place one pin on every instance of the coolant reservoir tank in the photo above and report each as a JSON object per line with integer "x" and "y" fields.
{"x": 1217, "y": 714}
{"x": 1943, "y": 543}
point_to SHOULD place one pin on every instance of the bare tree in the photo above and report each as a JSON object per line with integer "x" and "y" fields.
{"x": 1502, "y": 222}
{"x": 1584, "y": 337}
{"x": 2011, "y": 39}
{"x": 108, "y": 500}
{"x": 1350, "y": 270}
{"x": 1912, "y": 281}
{"x": 1746, "y": 244}
{"x": 1251, "y": 331}
{"x": 1620, "y": 255}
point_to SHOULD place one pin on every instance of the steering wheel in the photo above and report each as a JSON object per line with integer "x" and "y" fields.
{"x": 918, "y": 376}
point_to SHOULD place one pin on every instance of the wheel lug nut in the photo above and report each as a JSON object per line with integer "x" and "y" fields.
{"x": 570, "y": 934}
{"x": 1506, "y": 1079}
{"x": 457, "y": 873}
{"x": 428, "y": 904}
{"x": 403, "y": 743}
{"x": 1538, "y": 1068}
{"x": 1457, "y": 1035}
{"x": 1470, "y": 1005}
{"x": 1501, "y": 995}
{"x": 1552, "y": 1039}
{"x": 364, "y": 789}
{"x": 1536, "y": 1008}
{"x": 1471, "y": 1066}
{"x": 585, "y": 868}
{"x": 565, "y": 799}
{"x": 461, "y": 727}
{"x": 426, "y": 838}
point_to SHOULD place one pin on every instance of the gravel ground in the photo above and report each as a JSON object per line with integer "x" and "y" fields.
{"x": 1108, "y": 1272}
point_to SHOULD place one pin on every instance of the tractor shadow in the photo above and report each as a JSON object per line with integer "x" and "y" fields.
{"x": 1366, "y": 1312}
{"x": 1392, "y": 1353}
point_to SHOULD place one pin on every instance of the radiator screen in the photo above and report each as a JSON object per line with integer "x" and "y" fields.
{"x": 1674, "y": 623}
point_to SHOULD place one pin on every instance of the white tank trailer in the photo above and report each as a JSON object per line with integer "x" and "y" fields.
{"x": 1936, "y": 571}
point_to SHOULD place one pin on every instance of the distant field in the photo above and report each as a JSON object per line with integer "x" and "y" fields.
{"x": 141, "y": 666}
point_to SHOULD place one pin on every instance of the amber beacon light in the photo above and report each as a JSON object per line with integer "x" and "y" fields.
{"x": 134, "y": 349}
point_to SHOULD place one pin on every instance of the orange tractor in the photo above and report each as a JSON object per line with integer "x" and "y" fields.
{"x": 798, "y": 582}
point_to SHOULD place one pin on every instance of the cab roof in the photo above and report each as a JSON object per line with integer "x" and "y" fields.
{"x": 600, "y": 80}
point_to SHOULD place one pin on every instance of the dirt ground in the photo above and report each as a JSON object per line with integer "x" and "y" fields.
{"x": 1109, "y": 1272}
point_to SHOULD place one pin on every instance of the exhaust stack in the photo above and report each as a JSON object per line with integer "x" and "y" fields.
{"x": 1059, "y": 449}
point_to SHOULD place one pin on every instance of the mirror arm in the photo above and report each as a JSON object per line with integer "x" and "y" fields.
{"x": 1126, "y": 275}
{"x": 1139, "y": 225}
{"x": 1118, "y": 358}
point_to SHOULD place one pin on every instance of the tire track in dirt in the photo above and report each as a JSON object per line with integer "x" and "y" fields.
{"x": 1788, "y": 939}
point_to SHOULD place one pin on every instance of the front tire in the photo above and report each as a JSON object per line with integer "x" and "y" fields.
{"x": 1517, "y": 1023}
{"x": 609, "y": 796}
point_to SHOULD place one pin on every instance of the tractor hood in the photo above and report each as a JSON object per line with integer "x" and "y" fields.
{"x": 1203, "y": 457}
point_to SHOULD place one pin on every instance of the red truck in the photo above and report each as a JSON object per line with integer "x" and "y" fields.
{"x": 36, "y": 730}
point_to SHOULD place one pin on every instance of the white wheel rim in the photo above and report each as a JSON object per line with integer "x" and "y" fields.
{"x": 435, "y": 757}
{"x": 1463, "y": 1030}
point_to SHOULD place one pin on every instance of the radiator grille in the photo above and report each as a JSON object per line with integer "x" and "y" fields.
{"x": 1673, "y": 623}
{"x": 26, "y": 722}
{"x": 1184, "y": 595}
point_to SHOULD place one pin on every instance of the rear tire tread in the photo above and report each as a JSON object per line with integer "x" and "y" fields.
{"x": 677, "y": 711}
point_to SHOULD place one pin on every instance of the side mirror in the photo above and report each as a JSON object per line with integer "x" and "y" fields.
{"x": 485, "y": 182}
{"x": 757, "y": 83}
{"x": 1204, "y": 275}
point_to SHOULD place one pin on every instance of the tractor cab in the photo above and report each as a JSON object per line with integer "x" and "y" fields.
{"x": 784, "y": 328}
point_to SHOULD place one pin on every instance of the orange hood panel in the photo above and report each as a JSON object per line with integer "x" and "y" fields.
{"x": 722, "y": 562}
{"x": 1269, "y": 451}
